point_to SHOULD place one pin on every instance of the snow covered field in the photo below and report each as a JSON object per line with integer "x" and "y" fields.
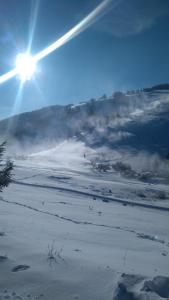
{"x": 64, "y": 236}
{"x": 71, "y": 233}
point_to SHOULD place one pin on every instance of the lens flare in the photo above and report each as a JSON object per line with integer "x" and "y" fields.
{"x": 81, "y": 26}
{"x": 26, "y": 65}
{"x": 8, "y": 75}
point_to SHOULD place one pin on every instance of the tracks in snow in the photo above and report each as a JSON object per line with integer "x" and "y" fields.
{"x": 138, "y": 234}
{"x": 65, "y": 218}
{"x": 82, "y": 193}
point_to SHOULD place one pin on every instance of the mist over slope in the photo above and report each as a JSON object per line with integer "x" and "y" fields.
{"x": 137, "y": 120}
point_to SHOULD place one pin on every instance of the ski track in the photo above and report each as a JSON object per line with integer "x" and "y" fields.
{"x": 77, "y": 192}
{"x": 138, "y": 234}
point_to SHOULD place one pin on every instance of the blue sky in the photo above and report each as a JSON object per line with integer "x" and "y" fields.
{"x": 127, "y": 48}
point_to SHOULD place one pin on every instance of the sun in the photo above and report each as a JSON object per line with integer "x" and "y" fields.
{"x": 25, "y": 66}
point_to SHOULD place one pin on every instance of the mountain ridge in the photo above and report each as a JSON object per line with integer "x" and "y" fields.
{"x": 135, "y": 119}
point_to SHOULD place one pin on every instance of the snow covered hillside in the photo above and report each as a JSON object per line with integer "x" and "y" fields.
{"x": 86, "y": 214}
{"x": 137, "y": 120}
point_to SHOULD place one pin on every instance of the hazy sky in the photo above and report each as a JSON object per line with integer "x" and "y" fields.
{"x": 127, "y": 48}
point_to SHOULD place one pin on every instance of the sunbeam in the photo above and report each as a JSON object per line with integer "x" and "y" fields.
{"x": 81, "y": 26}
{"x": 8, "y": 75}
{"x": 33, "y": 20}
{"x": 86, "y": 22}
{"x": 16, "y": 107}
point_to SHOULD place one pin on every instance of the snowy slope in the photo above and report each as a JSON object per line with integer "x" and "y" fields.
{"x": 139, "y": 121}
{"x": 72, "y": 230}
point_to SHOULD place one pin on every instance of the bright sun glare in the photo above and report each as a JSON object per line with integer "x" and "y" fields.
{"x": 25, "y": 66}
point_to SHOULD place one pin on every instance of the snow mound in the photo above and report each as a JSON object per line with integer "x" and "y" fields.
{"x": 133, "y": 287}
{"x": 70, "y": 153}
{"x": 159, "y": 285}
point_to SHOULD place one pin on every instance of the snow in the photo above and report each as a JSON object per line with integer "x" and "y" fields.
{"x": 113, "y": 121}
{"x": 72, "y": 233}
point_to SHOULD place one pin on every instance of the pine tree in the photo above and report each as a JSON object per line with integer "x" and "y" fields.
{"x": 5, "y": 169}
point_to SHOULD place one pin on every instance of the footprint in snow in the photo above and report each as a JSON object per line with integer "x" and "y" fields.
{"x": 3, "y": 258}
{"x": 20, "y": 268}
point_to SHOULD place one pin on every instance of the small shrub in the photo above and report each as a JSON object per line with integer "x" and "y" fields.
{"x": 141, "y": 194}
{"x": 53, "y": 254}
{"x": 124, "y": 169}
{"x": 101, "y": 167}
{"x": 144, "y": 176}
{"x": 161, "y": 195}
